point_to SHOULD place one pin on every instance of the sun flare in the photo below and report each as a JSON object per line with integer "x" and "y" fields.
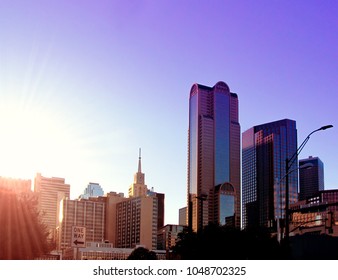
{"x": 31, "y": 141}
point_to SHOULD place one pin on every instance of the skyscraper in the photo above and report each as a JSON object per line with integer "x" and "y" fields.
{"x": 134, "y": 220}
{"x": 92, "y": 190}
{"x": 213, "y": 156}
{"x": 50, "y": 191}
{"x": 311, "y": 180}
{"x": 265, "y": 149}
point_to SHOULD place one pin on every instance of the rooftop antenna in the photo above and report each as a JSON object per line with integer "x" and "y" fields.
{"x": 139, "y": 160}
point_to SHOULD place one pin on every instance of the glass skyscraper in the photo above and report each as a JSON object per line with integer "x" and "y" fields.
{"x": 213, "y": 156}
{"x": 265, "y": 149}
{"x": 311, "y": 180}
{"x": 92, "y": 190}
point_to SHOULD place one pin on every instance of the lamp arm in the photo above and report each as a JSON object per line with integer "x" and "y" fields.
{"x": 300, "y": 148}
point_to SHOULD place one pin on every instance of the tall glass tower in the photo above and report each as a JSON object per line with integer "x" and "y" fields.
{"x": 213, "y": 156}
{"x": 311, "y": 180}
{"x": 265, "y": 149}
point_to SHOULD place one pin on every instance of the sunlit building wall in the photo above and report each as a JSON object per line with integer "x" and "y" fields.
{"x": 112, "y": 199}
{"x": 182, "y": 216}
{"x": 136, "y": 222}
{"x": 213, "y": 152}
{"x": 50, "y": 191}
{"x": 265, "y": 149}
{"x": 88, "y": 213}
{"x": 138, "y": 187}
{"x": 132, "y": 221}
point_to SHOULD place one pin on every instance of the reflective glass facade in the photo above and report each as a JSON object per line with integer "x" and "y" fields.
{"x": 311, "y": 180}
{"x": 227, "y": 208}
{"x": 193, "y": 133}
{"x": 265, "y": 149}
{"x": 222, "y": 139}
{"x": 213, "y": 153}
{"x": 92, "y": 190}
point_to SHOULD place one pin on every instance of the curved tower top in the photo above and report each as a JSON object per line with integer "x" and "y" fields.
{"x": 219, "y": 86}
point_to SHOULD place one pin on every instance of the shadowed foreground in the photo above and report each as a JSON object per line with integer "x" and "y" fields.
{"x": 22, "y": 235}
{"x": 225, "y": 243}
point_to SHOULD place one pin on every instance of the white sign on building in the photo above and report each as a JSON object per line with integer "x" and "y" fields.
{"x": 78, "y": 237}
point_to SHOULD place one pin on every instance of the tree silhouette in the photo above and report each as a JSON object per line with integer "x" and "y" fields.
{"x": 226, "y": 243}
{"x": 142, "y": 253}
{"x": 22, "y": 235}
{"x": 186, "y": 246}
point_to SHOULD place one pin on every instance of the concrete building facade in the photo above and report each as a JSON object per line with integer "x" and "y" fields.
{"x": 182, "y": 216}
{"x": 50, "y": 191}
{"x": 134, "y": 221}
{"x": 89, "y": 213}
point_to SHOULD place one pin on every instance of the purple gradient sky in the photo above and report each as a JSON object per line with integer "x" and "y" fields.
{"x": 84, "y": 84}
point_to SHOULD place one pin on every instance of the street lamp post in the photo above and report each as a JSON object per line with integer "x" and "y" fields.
{"x": 278, "y": 181}
{"x": 288, "y": 164}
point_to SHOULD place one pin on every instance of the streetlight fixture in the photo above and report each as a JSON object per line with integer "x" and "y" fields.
{"x": 288, "y": 164}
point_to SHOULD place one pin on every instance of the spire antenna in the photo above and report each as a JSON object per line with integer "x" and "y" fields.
{"x": 139, "y": 160}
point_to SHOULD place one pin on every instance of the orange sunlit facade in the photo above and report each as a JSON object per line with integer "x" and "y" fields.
{"x": 50, "y": 191}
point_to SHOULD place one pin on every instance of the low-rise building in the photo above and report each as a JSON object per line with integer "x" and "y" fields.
{"x": 167, "y": 236}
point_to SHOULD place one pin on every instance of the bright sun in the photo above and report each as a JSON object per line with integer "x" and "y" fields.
{"x": 32, "y": 141}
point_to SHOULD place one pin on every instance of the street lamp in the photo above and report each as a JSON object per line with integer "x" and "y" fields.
{"x": 278, "y": 180}
{"x": 288, "y": 164}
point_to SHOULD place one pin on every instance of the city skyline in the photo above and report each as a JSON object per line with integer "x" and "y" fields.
{"x": 83, "y": 87}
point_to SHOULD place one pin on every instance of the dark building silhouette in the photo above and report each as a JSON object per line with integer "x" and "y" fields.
{"x": 311, "y": 180}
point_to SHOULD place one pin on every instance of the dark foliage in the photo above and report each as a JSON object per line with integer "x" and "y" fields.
{"x": 314, "y": 247}
{"x": 226, "y": 243}
{"x": 22, "y": 235}
{"x": 141, "y": 253}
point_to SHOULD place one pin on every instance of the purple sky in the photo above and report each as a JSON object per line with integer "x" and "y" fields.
{"x": 84, "y": 84}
